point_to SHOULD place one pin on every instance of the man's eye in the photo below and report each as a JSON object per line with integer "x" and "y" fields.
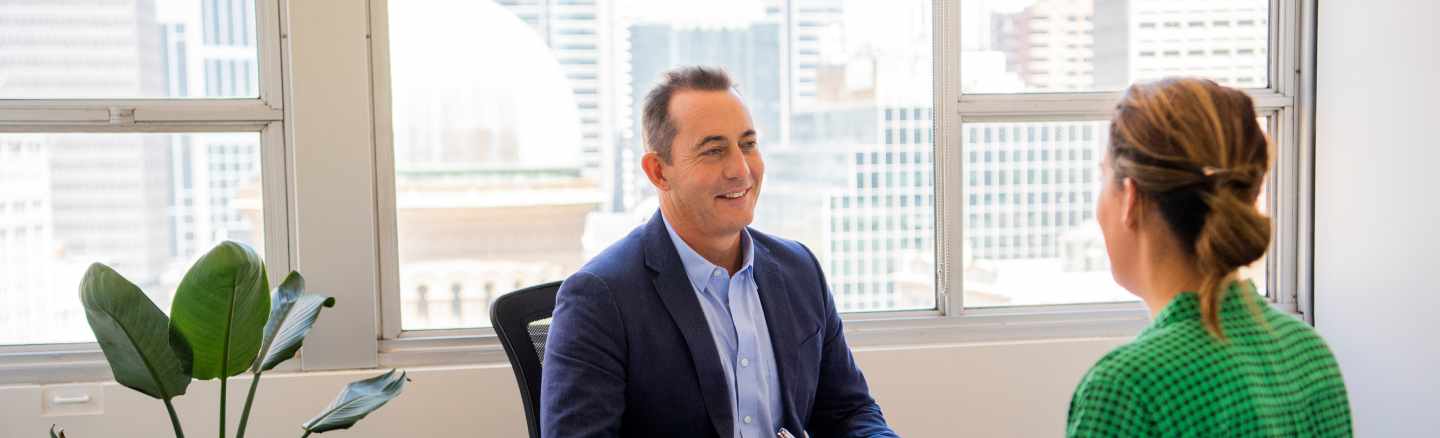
{"x": 752, "y": 144}
{"x": 712, "y": 151}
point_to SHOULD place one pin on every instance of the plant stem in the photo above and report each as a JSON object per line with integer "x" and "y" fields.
{"x": 245, "y": 415}
{"x": 222, "y": 407}
{"x": 174, "y": 420}
{"x": 307, "y": 433}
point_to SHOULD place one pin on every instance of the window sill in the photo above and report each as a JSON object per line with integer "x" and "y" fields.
{"x": 86, "y": 363}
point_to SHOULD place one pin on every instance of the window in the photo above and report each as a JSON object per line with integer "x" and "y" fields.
{"x": 522, "y": 167}
{"x": 147, "y": 195}
{"x": 1061, "y": 258}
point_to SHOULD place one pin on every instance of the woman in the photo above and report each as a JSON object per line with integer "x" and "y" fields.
{"x": 1185, "y": 163}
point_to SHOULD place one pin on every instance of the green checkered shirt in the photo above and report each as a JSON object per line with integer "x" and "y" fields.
{"x": 1268, "y": 380}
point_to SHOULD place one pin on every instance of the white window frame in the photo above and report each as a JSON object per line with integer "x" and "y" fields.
{"x": 328, "y": 176}
{"x": 265, "y": 115}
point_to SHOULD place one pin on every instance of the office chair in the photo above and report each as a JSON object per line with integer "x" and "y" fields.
{"x": 522, "y": 322}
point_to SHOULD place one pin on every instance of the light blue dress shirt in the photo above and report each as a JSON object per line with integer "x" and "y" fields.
{"x": 737, "y": 321}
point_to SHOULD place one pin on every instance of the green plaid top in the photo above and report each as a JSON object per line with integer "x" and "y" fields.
{"x": 1268, "y": 380}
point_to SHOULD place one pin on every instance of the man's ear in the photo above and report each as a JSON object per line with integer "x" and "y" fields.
{"x": 1130, "y": 214}
{"x": 655, "y": 169}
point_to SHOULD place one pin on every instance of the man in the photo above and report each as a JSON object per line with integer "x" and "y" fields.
{"x": 695, "y": 325}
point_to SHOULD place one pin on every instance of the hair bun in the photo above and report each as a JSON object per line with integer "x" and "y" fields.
{"x": 1235, "y": 234}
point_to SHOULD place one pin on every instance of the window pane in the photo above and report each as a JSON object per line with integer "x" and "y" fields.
{"x": 509, "y": 176}
{"x": 60, "y": 49}
{"x": 1034, "y": 238}
{"x": 144, "y": 204}
{"x": 1040, "y": 46}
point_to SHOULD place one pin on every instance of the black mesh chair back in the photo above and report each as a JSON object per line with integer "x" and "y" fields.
{"x": 522, "y": 322}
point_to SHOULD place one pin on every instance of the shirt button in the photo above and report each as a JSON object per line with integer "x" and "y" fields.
{"x": 717, "y": 272}
{"x": 744, "y": 362}
{"x": 747, "y": 419}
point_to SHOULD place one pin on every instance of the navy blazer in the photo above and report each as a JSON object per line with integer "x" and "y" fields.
{"x": 630, "y": 353}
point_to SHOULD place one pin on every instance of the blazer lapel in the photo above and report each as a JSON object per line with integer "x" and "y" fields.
{"x": 675, "y": 290}
{"x": 780, "y": 318}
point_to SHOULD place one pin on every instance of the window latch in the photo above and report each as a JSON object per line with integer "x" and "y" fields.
{"x": 119, "y": 115}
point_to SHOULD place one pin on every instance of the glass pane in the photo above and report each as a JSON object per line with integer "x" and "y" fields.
{"x": 1030, "y": 231}
{"x": 144, "y": 204}
{"x": 516, "y": 175}
{"x": 61, "y": 49}
{"x": 1046, "y": 46}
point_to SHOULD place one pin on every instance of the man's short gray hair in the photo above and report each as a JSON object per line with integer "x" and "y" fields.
{"x": 656, "y": 125}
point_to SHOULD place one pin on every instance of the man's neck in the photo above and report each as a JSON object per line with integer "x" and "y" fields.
{"x": 721, "y": 249}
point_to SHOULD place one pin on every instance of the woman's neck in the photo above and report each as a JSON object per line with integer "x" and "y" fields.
{"x": 1170, "y": 272}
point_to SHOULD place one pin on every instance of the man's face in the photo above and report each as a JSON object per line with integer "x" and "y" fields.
{"x": 713, "y": 179}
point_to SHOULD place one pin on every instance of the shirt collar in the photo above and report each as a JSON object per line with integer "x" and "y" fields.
{"x": 696, "y": 267}
{"x": 1186, "y": 306}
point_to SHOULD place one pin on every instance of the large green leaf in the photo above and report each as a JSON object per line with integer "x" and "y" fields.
{"x": 291, "y": 317}
{"x": 131, "y": 331}
{"x": 357, "y": 400}
{"x": 219, "y": 313}
{"x": 52, "y": 432}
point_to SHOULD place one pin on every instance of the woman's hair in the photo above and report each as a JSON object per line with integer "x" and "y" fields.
{"x": 1196, "y": 150}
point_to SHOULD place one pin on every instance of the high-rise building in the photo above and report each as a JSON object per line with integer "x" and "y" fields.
{"x": 28, "y": 253}
{"x": 210, "y": 50}
{"x": 873, "y": 100}
{"x": 1051, "y": 44}
{"x": 879, "y": 230}
{"x": 1223, "y": 41}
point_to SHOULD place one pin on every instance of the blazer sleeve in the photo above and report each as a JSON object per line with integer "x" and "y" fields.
{"x": 843, "y": 406}
{"x": 583, "y": 377}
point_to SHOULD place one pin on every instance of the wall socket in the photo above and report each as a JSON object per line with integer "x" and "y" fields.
{"x": 72, "y": 399}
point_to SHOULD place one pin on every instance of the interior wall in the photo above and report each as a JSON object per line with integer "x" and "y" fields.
{"x": 1015, "y": 389}
{"x": 1377, "y": 220}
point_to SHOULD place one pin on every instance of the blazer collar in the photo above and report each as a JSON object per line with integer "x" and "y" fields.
{"x": 676, "y": 291}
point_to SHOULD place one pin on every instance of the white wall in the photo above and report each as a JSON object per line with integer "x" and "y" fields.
{"x": 1377, "y": 220}
{"x": 990, "y": 390}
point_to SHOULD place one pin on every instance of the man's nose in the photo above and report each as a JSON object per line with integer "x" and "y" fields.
{"x": 735, "y": 164}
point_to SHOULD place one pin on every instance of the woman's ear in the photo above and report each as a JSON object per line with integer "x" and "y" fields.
{"x": 1130, "y": 212}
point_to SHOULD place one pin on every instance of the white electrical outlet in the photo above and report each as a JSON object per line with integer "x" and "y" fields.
{"x": 72, "y": 399}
